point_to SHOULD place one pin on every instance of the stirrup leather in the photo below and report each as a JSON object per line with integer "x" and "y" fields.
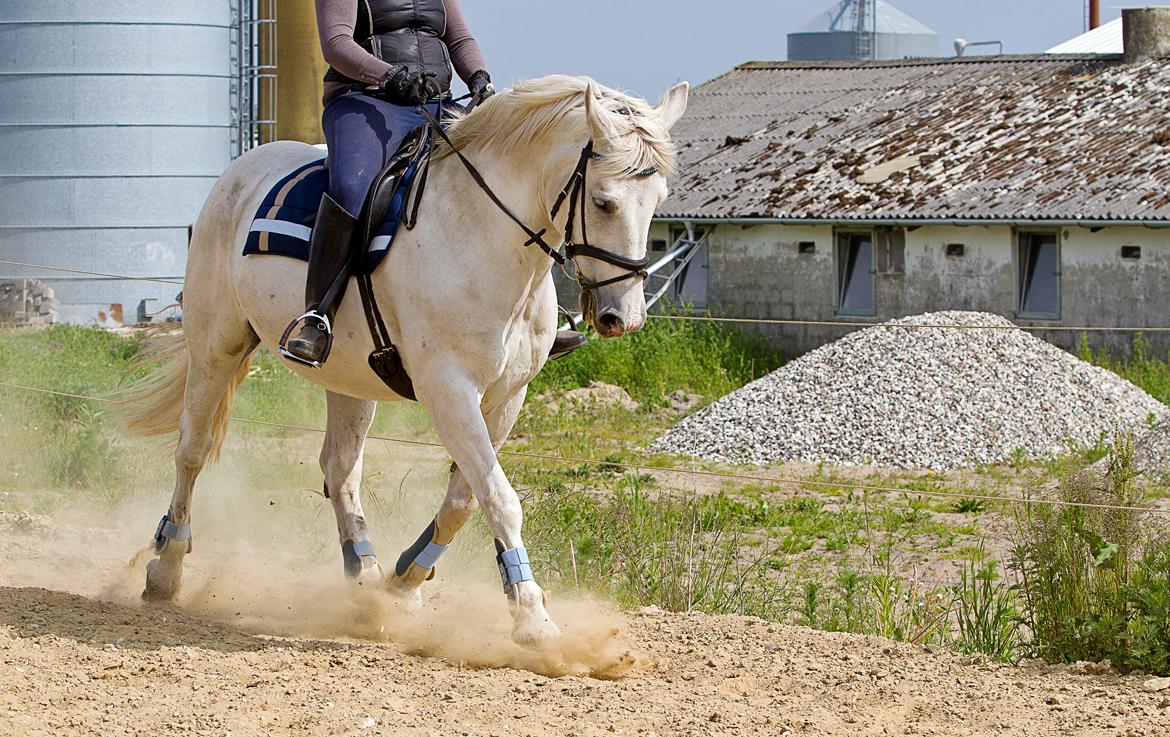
{"x": 325, "y": 325}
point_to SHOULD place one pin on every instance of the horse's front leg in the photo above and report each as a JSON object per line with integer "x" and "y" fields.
{"x": 348, "y": 422}
{"x": 454, "y": 406}
{"x": 417, "y": 563}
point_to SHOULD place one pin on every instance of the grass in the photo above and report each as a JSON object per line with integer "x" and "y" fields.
{"x": 702, "y": 358}
{"x": 1142, "y": 367}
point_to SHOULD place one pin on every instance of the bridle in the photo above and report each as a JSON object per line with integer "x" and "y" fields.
{"x": 573, "y": 193}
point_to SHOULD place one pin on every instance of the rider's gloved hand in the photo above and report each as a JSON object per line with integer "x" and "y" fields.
{"x": 480, "y": 87}
{"x": 408, "y": 87}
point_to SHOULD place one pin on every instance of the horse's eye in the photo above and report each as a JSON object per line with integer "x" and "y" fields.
{"x": 605, "y": 205}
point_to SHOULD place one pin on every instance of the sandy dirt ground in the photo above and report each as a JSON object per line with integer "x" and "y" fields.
{"x": 257, "y": 646}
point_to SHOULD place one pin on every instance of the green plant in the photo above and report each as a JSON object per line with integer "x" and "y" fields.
{"x": 906, "y": 612}
{"x": 969, "y": 506}
{"x": 681, "y": 554}
{"x": 705, "y": 358}
{"x": 986, "y": 613}
{"x": 1142, "y": 367}
{"x": 1094, "y": 579}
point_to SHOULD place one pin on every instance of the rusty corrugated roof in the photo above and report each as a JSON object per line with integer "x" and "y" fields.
{"x": 999, "y": 138}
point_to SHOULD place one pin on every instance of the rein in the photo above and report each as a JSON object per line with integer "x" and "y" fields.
{"x": 573, "y": 193}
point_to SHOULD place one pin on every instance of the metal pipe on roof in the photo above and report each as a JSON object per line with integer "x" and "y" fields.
{"x": 1094, "y": 14}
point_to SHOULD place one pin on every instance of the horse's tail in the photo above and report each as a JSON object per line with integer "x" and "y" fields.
{"x": 153, "y": 404}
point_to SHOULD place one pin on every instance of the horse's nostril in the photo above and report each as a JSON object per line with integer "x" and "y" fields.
{"x": 609, "y": 322}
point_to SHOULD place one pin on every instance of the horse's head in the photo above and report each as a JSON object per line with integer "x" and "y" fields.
{"x": 624, "y": 183}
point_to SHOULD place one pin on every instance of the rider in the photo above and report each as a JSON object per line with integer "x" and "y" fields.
{"x": 386, "y": 58}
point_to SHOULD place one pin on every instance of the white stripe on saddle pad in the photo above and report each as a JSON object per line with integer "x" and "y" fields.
{"x": 380, "y": 243}
{"x": 264, "y": 225}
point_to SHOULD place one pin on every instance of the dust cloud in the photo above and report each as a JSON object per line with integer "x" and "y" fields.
{"x": 266, "y": 562}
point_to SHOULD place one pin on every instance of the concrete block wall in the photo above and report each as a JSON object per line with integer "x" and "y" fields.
{"x": 758, "y": 271}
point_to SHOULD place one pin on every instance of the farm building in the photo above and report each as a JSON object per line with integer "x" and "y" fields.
{"x": 1035, "y": 187}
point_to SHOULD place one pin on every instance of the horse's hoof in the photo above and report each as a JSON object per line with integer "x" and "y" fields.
{"x": 406, "y": 596}
{"x": 160, "y": 587}
{"x": 368, "y": 575}
{"x": 535, "y": 632}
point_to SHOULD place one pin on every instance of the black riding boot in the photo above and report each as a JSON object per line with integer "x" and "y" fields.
{"x": 565, "y": 343}
{"x": 329, "y": 254}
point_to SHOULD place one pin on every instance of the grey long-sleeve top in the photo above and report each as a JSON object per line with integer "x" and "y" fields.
{"x": 335, "y": 25}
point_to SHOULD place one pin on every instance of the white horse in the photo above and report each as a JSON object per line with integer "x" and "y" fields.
{"x": 472, "y": 310}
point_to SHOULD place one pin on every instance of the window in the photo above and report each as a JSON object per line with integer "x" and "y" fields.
{"x": 890, "y": 250}
{"x": 806, "y": 248}
{"x": 855, "y": 274}
{"x": 658, "y": 244}
{"x": 1131, "y": 252}
{"x": 1038, "y": 272}
{"x": 955, "y": 250}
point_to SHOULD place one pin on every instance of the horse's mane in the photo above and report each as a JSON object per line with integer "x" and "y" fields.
{"x": 636, "y": 139}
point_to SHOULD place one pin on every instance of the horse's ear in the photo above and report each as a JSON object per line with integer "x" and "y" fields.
{"x": 597, "y": 128}
{"x": 673, "y": 104}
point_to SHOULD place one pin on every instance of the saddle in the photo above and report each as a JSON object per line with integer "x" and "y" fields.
{"x": 284, "y": 221}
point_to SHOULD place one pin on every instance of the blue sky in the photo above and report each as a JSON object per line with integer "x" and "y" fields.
{"x": 646, "y": 45}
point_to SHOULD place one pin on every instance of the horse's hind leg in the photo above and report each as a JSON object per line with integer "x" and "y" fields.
{"x": 417, "y": 563}
{"x": 212, "y": 374}
{"x": 341, "y": 461}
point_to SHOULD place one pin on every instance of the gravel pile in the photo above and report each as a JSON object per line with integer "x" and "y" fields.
{"x": 934, "y": 398}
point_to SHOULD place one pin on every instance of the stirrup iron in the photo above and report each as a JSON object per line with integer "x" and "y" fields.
{"x": 326, "y": 327}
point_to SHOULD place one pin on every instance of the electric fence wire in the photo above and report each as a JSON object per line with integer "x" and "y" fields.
{"x": 716, "y": 318}
{"x": 938, "y": 493}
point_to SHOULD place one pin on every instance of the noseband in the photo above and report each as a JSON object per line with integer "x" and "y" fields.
{"x": 573, "y": 193}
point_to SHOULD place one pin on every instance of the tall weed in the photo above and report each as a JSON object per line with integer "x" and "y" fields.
{"x": 677, "y": 553}
{"x": 1095, "y": 584}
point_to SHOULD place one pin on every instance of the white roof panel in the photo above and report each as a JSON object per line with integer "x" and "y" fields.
{"x": 1106, "y": 39}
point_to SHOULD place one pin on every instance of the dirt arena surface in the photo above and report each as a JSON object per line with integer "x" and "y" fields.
{"x": 74, "y": 666}
{"x": 257, "y": 646}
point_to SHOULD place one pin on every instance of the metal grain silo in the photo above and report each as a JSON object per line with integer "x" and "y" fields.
{"x": 862, "y": 30}
{"x": 115, "y": 119}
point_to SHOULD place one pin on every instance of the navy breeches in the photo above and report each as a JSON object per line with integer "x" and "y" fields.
{"x": 363, "y": 132}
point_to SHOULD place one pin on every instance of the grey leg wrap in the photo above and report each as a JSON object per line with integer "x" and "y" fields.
{"x": 168, "y": 530}
{"x": 352, "y": 552}
{"x": 425, "y": 552}
{"x": 514, "y": 566}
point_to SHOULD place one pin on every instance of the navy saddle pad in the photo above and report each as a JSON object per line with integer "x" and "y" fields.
{"x": 281, "y": 226}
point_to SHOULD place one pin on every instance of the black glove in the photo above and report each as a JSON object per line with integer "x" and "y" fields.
{"x": 410, "y": 88}
{"x": 480, "y": 87}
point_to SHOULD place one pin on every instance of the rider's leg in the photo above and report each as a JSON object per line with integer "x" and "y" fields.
{"x": 361, "y": 132}
{"x": 329, "y": 252}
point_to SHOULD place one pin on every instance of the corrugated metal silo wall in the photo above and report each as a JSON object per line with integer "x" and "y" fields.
{"x": 843, "y": 46}
{"x": 116, "y": 120}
